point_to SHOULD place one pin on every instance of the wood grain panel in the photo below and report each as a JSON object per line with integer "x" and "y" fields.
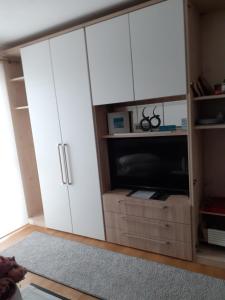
{"x": 149, "y": 228}
{"x": 170, "y": 248}
{"x": 175, "y": 208}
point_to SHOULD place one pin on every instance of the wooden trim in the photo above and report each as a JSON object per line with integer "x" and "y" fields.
{"x": 14, "y": 51}
{"x": 178, "y": 132}
{"x": 149, "y": 101}
{"x": 210, "y": 126}
{"x": 16, "y": 79}
{"x": 211, "y": 97}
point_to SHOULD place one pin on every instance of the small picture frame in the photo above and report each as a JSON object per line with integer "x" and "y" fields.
{"x": 119, "y": 122}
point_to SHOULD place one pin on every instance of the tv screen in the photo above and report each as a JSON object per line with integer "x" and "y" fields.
{"x": 159, "y": 163}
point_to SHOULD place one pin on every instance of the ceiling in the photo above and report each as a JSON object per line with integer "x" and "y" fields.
{"x": 22, "y": 20}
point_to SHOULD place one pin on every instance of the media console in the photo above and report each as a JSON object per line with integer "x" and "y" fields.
{"x": 159, "y": 226}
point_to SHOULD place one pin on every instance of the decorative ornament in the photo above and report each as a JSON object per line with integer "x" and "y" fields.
{"x": 148, "y": 123}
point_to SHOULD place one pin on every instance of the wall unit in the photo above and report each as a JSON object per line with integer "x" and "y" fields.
{"x": 138, "y": 54}
{"x": 61, "y": 117}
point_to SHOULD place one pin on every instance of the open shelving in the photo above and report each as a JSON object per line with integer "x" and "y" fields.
{"x": 23, "y": 137}
{"x": 208, "y": 140}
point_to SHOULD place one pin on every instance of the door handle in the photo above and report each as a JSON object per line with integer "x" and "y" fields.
{"x": 60, "y": 163}
{"x": 67, "y": 163}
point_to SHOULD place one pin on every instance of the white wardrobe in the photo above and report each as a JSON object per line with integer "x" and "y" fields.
{"x": 58, "y": 91}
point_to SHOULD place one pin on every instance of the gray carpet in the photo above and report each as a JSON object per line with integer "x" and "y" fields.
{"x": 110, "y": 275}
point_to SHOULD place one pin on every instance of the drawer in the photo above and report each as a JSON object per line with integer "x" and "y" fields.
{"x": 167, "y": 247}
{"x": 149, "y": 228}
{"x": 174, "y": 209}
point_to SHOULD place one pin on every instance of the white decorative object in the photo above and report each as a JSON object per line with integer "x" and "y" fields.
{"x": 216, "y": 237}
{"x": 174, "y": 112}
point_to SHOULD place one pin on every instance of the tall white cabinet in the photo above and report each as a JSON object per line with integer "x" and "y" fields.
{"x": 57, "y": 84}
{"x": 46, "y": 134}
{"x": 69, "y": 61}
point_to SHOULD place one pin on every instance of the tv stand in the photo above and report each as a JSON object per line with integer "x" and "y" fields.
{"x": 159, "y": 226}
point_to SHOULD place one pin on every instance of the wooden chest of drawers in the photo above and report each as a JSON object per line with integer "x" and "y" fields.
{"x": 158, "y": 226}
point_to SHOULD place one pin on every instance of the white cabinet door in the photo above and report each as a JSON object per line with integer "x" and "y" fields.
{"x": 46, "y": 133}
{"x": 109, "y": 53}
{"x": 75, "y": 111}
{"x": 158, "y": 50}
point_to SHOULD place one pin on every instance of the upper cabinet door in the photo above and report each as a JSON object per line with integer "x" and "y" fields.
{"x": 110, "y": 62}
{"x": 43, "y": 111}
{"x": 158, "y": 50}
{"x": 69, "y": 60}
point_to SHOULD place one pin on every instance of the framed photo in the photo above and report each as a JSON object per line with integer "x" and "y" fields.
{"x": 119, "y": 122}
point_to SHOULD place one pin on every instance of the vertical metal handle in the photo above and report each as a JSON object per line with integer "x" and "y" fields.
{"x": 67, "y": 163}
{"x": 60, "y": 163}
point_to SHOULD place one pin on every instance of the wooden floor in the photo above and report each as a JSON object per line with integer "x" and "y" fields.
{"x": 74, "y": 294}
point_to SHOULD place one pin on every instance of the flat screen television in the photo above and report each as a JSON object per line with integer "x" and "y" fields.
{"x": 159, "y": 163}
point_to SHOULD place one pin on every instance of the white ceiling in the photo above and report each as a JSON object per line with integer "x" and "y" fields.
{"x": 21, "y": 20}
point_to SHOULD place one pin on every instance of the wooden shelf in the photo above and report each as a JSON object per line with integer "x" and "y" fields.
{"x": 21, "y": 107}
{"x": 203, "y": 212}
{"x": 210, "y": 126}
{"x": 21, "y": 78}
{"x": 211, "y": 97}
{"x": 147, "y": 135}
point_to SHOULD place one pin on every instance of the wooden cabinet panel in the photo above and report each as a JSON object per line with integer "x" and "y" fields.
{"x": 109, "y": 53}
{"x": 70, "y": 68}
{"x": 158, "y": 50}
{"x": 148, "y": 228}
{"x": 167, "y": 247}
{"x": 175, "y": 209}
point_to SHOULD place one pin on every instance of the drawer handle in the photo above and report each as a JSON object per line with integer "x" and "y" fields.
{"x": 143, "y": 238}
{"x": 145, "y": 222}
{"x": 140, "y": 204}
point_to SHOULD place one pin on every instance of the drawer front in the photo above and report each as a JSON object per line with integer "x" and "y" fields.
{"x": 149, "y": 228}
{"x": 153, "y": 209}
{"x": 170, "y": 248}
